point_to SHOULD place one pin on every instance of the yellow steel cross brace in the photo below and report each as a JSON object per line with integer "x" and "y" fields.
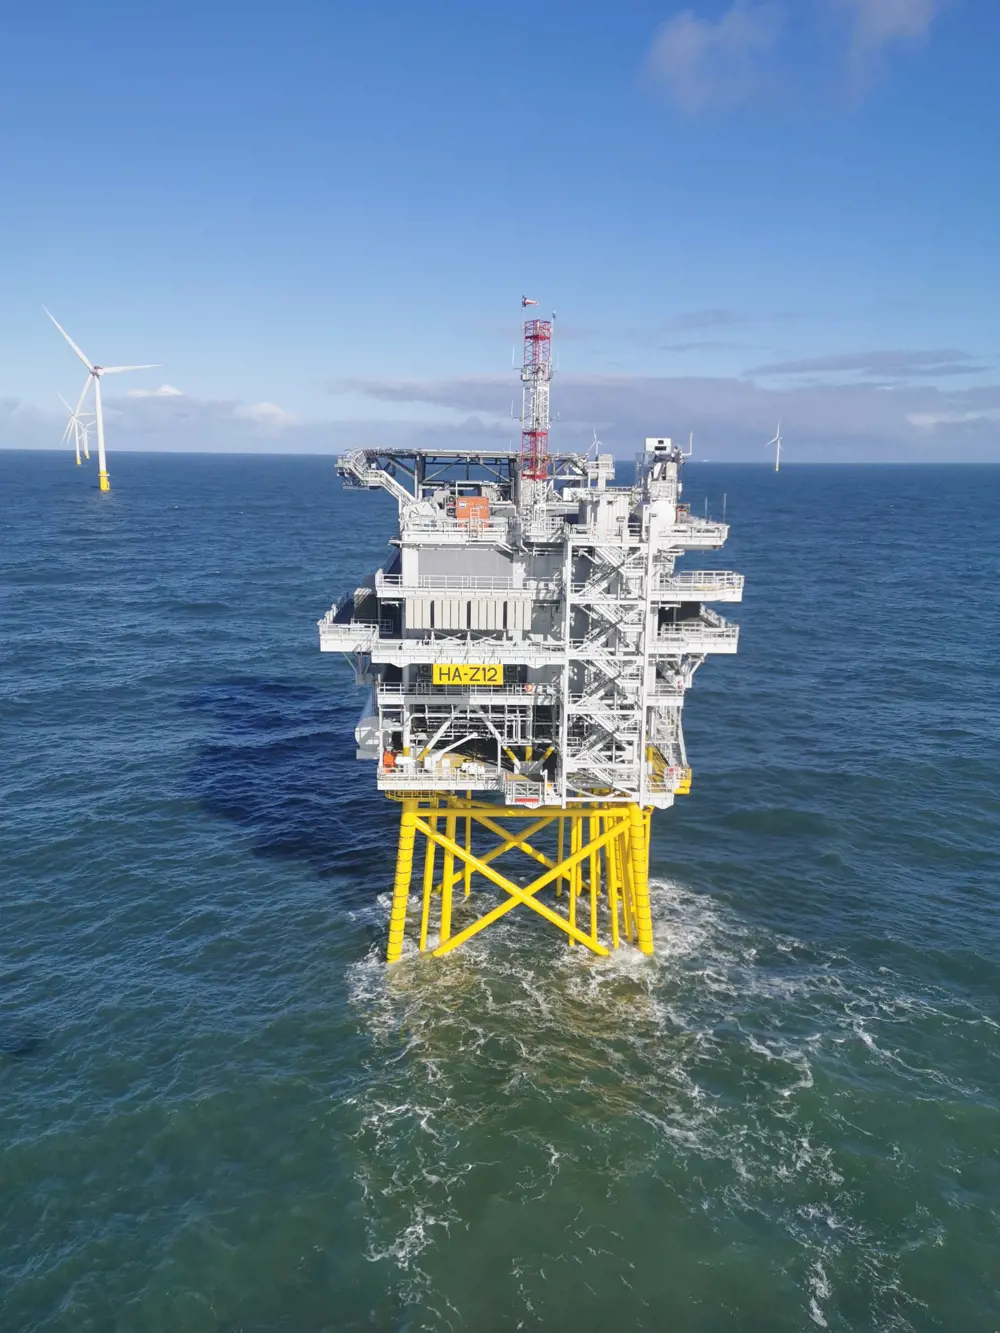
{"x": 607, "y": 858}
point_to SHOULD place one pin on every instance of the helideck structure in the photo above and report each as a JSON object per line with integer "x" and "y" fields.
{"x": 526, "y": 650}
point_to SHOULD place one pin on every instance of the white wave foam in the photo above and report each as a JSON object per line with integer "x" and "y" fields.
{"x": 562, "y": 1072}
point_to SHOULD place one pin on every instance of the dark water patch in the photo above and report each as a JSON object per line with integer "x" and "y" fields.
{"x": 782, "y": 823}
{"x": 14, "y": 1046}
{"x": 283, "y": 775}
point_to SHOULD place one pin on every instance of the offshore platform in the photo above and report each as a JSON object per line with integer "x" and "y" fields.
{"x": 527, "y": 649}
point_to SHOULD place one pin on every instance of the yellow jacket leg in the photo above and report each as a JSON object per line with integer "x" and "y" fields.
{"x": 611, "y": 856}
{"x": 640, "y": 878}
{"x": 430, "y": 852}
{"x": 448, "y": 878}
{"x": 401, "y": 888}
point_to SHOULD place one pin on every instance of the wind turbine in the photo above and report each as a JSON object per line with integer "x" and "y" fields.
{"x": 79, "y": 427}
{"x": 94, "y": 374}
{"x": 777, "y": 451}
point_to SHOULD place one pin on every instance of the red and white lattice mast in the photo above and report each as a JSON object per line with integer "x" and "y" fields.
{"x": 536, "y": 372}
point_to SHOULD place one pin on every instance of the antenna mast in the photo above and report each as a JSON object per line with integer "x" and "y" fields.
{"x": 536, "y": 372}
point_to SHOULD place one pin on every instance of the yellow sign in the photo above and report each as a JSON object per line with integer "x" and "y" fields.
{"x": 467, "y": 673}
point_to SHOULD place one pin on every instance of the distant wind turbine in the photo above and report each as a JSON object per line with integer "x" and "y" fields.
{"x": 79, "y": 428}
{"x": 777, "y": 447}
{"x": 94, "y": 374}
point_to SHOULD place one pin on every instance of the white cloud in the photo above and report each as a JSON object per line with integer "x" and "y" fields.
{"x": 266, "y": 414}
{"x": 164, "y": 391}
{"x": 168, "y": 418}
{"x": 729, "y": 415}
{"x": 704, "y": 65}
{"x": 879, "y": 24}
{"x": 928, "y": 363}
{"x": 178, "y": 404}
{"x": 929, "y": 420}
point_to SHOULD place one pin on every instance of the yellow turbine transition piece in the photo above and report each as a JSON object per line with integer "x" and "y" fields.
{"x": 595, "y": 870}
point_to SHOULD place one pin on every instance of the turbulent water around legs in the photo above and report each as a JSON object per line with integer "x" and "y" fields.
{"x": 221, "y": 1113}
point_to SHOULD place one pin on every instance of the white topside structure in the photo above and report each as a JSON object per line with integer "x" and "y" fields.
{"x": 530, "y": 635}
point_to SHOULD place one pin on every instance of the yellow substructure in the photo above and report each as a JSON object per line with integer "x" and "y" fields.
{"x": 593, "y": 885}
{"x": 104, "y": 481}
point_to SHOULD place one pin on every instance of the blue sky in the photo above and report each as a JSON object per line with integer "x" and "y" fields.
{"x": 320, "y": 217}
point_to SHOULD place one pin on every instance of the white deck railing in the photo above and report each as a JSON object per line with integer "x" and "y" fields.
{"x": 700, "y": 584}
{"x": 697, "y": 637}
{"x": 700, "y": 533}
{"x": 442, "y": 779}
{"x": 445, "y": 582}
{"x": 525, "y": 693}
{"x": 453, "y": 531}
{"x": 428, "y": 583}
{"x": 667, "y": 694}
{"x": 350, "y": 636}
{"x": 526, "y": 791}
{"x": 404, "y": 652}
{"x": 544, "y": 529}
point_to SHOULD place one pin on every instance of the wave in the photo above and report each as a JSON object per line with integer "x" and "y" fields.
{"x": 711, "y": 1079}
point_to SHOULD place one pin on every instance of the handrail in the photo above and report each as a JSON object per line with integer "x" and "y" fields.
{"x": 519, "y": 790}
{"x": 528, "y": 691}
{"x": 468, "y": 529}
{"x": 698, "y": 628}
{"x": 540, "y": 529}
{"x": 693, "y": 628}
{"x": 350, "y": 628}
{"x": 451, "y": 779}
{"x": 513, "y": 652}
{"x": 469, "y": 582}
{"x": 436, "y": 581}
{"x": 356, "y": 470}
{"x": 697, "y": 579}
{"x": 705, "y": 527}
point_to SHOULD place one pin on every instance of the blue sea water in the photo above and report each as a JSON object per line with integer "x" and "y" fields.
{"x": 221, "y": 1113}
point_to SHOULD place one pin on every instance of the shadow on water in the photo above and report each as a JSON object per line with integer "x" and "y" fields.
{"x": 13, "y": 1047}
{"x": 278, "y": 761}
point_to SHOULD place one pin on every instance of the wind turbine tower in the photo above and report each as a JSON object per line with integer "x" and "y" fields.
{"x": 776, "y": 441}
{"x": 79, "y": 428}
{"x": 94, "y": 374}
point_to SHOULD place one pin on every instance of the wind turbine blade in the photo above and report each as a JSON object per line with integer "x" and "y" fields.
{"x": 64, "y": 402}
{"x": 83, "y": 395}
{"x": 69, "y": 426}
{"x": 68, "y": 339}
{"x": 117, "y": 370}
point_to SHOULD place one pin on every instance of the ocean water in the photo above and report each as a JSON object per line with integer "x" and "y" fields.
{"x": 220, "y": 1112}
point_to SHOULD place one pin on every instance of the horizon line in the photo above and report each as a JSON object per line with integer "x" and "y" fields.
{"x": 703, "y": 462}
